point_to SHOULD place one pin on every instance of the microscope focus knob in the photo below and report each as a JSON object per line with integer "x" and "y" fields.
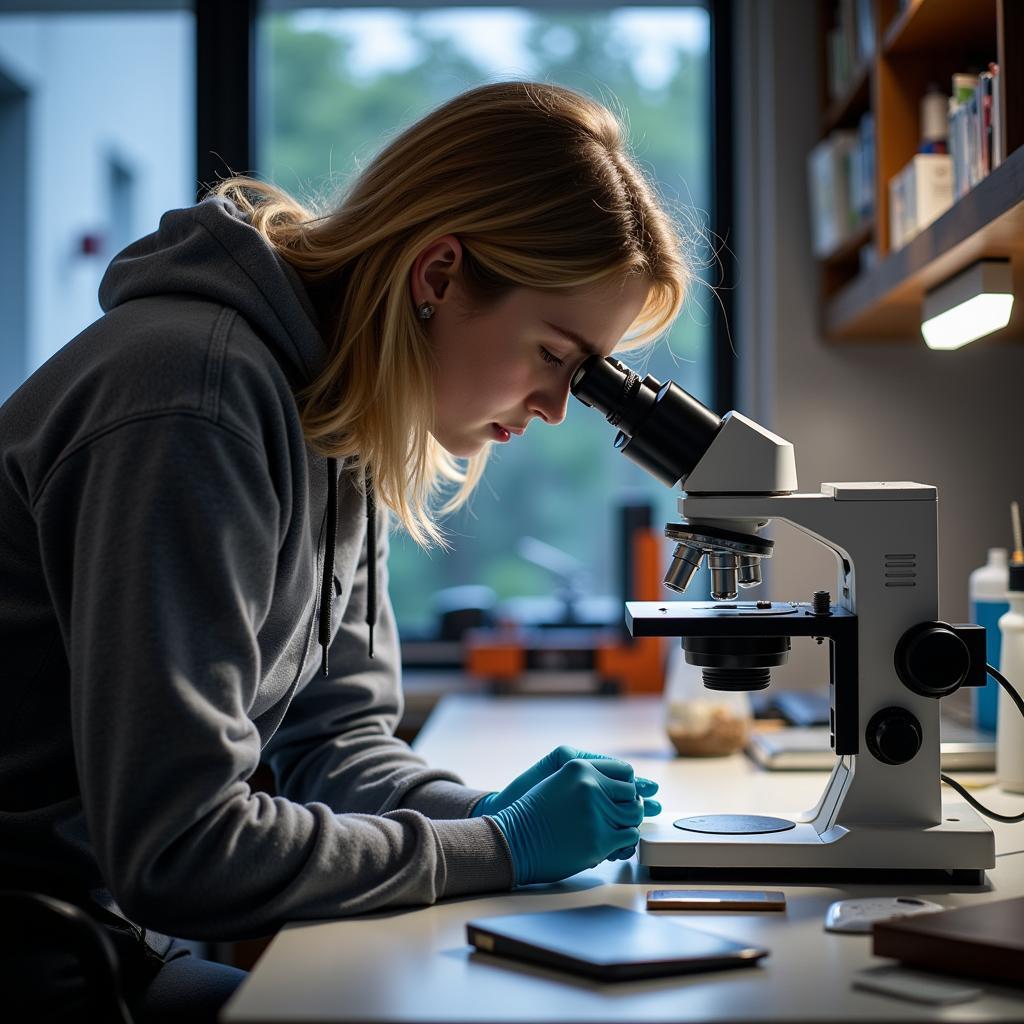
{"x": 894, "y": 735}
{"x": 932, "y": 660}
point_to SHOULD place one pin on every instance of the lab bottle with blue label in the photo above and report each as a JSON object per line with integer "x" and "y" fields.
{"x": 988, "y": 597}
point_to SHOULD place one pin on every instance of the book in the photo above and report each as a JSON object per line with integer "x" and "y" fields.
{"x": 919, "y": 194}
{"x": 865, "y": 30}
{"x": 982, "y": 940}
{"x": 608, "y": 943}
{"x": 963, "y": 748}
{"x": 997, "y": 118}
{"x": 983, "y": 126}
{"x": 973, "y": 138}
{"x": 866, "y": 138}
{"x": 962, "y": 131}
{"x": 833, "y": 216}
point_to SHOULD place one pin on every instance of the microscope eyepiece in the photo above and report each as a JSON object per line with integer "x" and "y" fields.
{"x": 661, "y": 427}
{"x": 606, "y": 385}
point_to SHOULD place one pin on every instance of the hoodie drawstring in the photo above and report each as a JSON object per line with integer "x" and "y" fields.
{"x": 371, "y": 560}
{"x": 327, "y": 586}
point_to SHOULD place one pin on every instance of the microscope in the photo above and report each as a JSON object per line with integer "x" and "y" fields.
{"x": 891, "y": 660}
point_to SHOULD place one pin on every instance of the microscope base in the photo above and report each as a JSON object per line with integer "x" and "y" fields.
{"x": 958, "y": 849}
{"x": 804, "y": 876}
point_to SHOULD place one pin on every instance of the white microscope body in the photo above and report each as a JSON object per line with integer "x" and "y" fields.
{"x": 873, "y": 815}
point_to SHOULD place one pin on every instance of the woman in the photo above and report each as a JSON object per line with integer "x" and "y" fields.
{"x": 195, "y": 494}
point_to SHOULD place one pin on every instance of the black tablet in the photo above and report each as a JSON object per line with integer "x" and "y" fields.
{"x": 608, "y": 943}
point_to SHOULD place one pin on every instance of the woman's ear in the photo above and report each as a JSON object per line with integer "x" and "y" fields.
{"x": 435, "y": 271}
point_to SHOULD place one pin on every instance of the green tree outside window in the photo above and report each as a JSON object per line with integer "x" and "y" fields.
{"x": 336, "y": 84}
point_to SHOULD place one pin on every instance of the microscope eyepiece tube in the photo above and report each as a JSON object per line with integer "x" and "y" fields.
{"x": 606, "y": 385}
{"x": 662, "y": 428}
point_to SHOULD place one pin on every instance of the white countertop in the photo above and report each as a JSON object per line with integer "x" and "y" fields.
{"x": 415, "y": 965}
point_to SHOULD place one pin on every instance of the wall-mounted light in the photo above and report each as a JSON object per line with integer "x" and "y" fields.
{"x": 975, "y": 302}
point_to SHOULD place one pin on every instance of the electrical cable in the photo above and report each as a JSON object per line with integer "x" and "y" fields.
{"x": 1016, "y": 698}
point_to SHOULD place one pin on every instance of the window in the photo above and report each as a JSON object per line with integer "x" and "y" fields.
{"x": 334, "y": 84}
{"x": 97, "y": 132}
{"x": 14, "y": 102}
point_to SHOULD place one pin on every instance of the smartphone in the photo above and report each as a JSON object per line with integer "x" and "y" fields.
{"x": 715, "y": 899}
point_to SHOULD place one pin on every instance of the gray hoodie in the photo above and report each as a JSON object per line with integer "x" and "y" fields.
{"x": 164, "y": 546}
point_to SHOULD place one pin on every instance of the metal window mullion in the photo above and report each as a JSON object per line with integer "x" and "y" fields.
{"x": 225, "y": 89}
{"x": 722, "y": 201}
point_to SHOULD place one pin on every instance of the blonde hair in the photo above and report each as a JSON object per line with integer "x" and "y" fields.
{"x": 536, "y": 182}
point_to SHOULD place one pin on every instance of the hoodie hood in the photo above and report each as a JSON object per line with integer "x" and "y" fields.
{"x": 212, "y": 251}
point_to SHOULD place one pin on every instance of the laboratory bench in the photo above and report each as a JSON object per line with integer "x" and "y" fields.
{"x": 414, "y": 966}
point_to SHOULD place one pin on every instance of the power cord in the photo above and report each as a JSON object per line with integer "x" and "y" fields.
{"x": 1016, "y": 698}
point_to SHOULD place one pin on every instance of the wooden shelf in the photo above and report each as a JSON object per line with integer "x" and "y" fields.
{"x": 925, "y": 42}
{"x": 927, "y": 26}
{"x": 885, "y": 304}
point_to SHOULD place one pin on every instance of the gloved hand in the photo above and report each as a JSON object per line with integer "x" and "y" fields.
{"x": 550, "y": 764}
{"x": 572, "y": 820}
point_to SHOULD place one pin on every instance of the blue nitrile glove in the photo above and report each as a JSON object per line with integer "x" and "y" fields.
{"x": 571, "y": 820}
{"x": 644, "y": 788}
{"x": 550, "y": 764}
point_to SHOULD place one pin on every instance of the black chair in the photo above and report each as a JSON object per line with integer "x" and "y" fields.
{"x": 34, "y": 921}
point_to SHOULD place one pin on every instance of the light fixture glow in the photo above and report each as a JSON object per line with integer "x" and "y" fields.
{"x": 975, "y": 302}
{"x": 971, "y": 319}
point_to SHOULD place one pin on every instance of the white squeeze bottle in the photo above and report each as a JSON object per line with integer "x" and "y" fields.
{"x": 987, "y": 594}
{"x": 1010, "y": 728}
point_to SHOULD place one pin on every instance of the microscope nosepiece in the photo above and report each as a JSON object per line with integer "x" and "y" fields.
{"x": 733, "y": 558}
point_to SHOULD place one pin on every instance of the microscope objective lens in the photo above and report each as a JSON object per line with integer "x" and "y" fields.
{"x": 749, "y": 571}
{"x": 723, "y": 566}
{"x": 686, "y": 560}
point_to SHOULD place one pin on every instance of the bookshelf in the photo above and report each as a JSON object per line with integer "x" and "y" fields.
{"x": 871, "y": 289}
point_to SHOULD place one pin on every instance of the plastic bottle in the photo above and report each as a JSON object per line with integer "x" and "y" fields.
{"x": 987, "y": 590}
{"x": 702, "y": 722}
{"x": 934, "y": 117}
{"x": 1010, "y": 734}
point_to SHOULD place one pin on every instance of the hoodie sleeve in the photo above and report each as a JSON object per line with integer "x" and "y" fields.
{"x": 337, "y": 742}
{"x": 159, "y": 537}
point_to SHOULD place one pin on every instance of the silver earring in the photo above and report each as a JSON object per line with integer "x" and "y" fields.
{"x": 424, "y": 310}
